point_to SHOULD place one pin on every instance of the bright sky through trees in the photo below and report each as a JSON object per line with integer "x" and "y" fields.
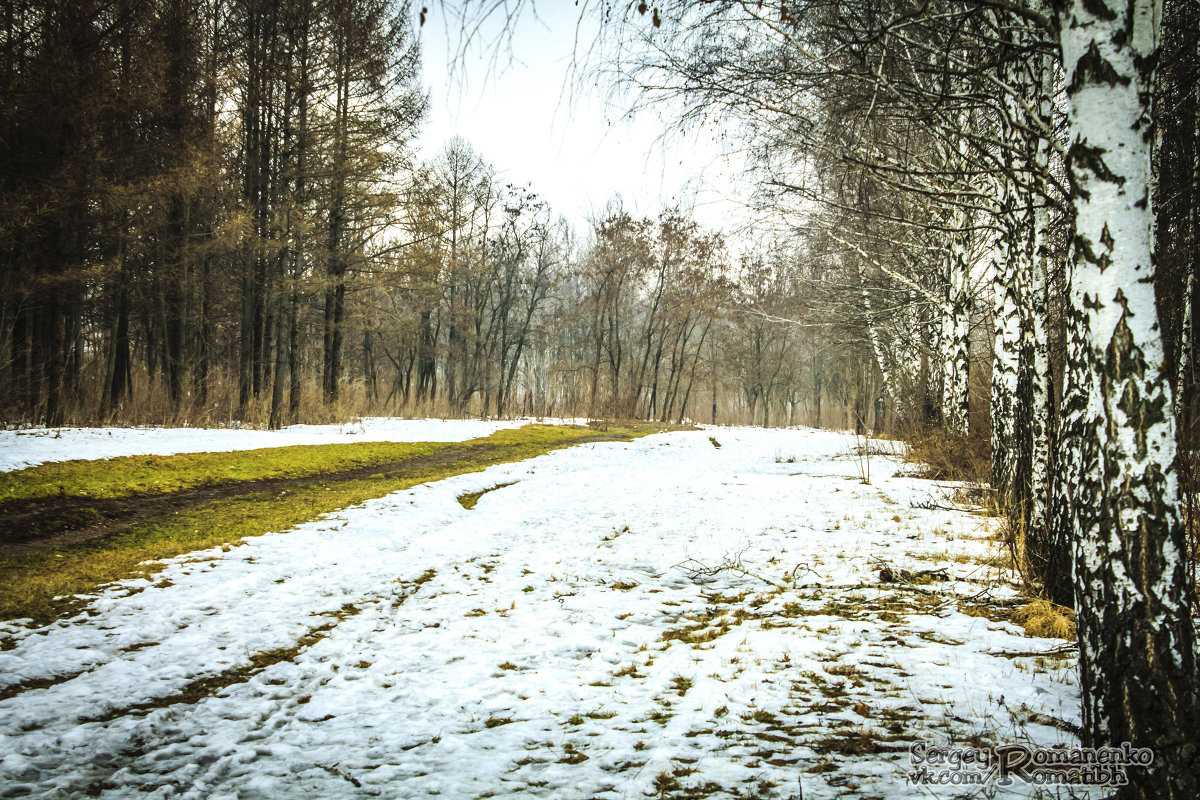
{"x": 535, "y": 114}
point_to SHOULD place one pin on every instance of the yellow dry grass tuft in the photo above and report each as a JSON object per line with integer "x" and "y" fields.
{"x": 1046, "y": 620}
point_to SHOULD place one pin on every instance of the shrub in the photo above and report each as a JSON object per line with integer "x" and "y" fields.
{"x": 944, "y": 456}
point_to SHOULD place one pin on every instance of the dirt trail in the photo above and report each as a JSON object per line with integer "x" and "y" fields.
{"x": 47, "y": 523}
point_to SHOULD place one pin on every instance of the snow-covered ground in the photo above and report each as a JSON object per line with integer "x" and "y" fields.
{"x": 32, "y": 446}
{"x": 622, "y": 621}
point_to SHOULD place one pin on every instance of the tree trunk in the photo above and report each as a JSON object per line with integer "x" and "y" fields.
{"x": 1006, "y": 344}
{"x": 956, "y": 326}
{"x": 1139, "y": 675}
{"x": 276, "y": 419}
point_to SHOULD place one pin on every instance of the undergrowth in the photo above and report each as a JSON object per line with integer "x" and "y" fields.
{"x": 1045, "y": 620}
{"x": 945, "y": 456}
{"x": 941, "y": 455}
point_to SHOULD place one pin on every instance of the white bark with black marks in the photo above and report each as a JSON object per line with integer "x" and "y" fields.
{"x": 1138, "y": 663}
{"x": 955, "y": 341}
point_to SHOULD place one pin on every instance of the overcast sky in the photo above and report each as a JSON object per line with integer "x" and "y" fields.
{"x": 535, "y": 125}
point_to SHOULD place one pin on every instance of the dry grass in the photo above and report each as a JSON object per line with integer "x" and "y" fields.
{"x": 1046, "y": 620}
{"x": 471, "y": 499}
{"x": 944, "y": 456}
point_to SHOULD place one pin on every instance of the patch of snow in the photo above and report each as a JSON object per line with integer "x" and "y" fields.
{"x": 622, "y": 616}
{"x": 29, "y": 447}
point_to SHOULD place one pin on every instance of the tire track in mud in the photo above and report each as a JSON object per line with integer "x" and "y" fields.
{"x": 48, "y": 523}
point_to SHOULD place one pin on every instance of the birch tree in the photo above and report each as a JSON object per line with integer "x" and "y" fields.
{"x": 1137, "y": 641}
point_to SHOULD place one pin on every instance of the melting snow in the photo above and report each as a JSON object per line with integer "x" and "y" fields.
{"x": 624, "y": 620}
{"x": 32, "y": 446}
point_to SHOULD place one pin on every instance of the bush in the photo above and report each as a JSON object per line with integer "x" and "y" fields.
{"x": 944, "y": 456}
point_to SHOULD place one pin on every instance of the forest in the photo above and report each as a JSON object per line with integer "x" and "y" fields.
{"x": 977, "y": 226}
{"x": 213, "y": 212}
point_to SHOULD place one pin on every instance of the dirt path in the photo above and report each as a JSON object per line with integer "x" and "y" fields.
{"x": 41, "y": 524}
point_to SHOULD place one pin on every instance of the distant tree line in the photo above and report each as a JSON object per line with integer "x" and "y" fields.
{"x": 211, "y": 210}
{"x": 494, "y": 306}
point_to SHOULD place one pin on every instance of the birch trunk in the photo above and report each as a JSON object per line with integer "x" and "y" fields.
{"x": 1137, "y": 648}
{"x": 956, "y": 327}
{"x": 1006, "y": 351}
{"x": 1055, "y": 583}
{"x": 1038, "y": 490}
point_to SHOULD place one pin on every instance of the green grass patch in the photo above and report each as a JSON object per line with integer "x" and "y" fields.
{"x": 30, "y": 583}
{"x": 128, "y": 476}
{"x": 133, "y": 475}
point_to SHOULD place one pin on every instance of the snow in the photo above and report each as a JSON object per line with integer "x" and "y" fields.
{"x": 32, "y": 446}
{"x": 532, "y": 646}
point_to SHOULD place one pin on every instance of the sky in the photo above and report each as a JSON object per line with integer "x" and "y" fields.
{"x": 523, "y": 112}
